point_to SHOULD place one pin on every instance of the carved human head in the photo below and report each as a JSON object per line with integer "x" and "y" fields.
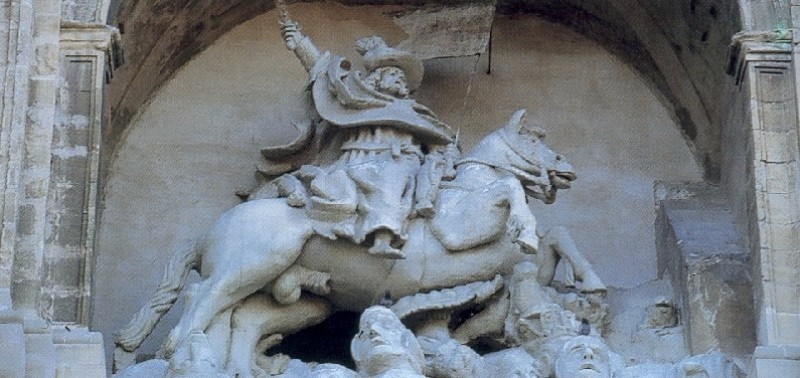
{"x": 584, "y": 356}
{"x": 388, "y": 80}
{"x": 383, "y": 344}
{"x": 392, "y": 71}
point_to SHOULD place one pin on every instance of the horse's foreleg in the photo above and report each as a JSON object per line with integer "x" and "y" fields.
{"x": 521, "y": 224}
{"x": 557, "y": 244}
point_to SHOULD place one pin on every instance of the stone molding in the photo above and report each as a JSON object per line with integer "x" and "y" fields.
{"x": 764, "y": 48}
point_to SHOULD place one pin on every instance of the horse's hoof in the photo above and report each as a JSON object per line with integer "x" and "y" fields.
{"x": 593, "y": 285}
{"x": 528, "y": 241}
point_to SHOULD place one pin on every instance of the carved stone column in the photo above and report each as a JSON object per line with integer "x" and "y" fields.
{"x": 762, "y": 63}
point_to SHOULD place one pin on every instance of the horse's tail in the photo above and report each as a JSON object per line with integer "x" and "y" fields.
{"x": 183, "y": 260}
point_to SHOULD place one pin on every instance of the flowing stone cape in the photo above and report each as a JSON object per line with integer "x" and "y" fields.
{"x": 343, "y": 100}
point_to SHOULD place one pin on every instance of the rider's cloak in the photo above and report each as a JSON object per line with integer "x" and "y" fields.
{"x": 341, "y": 100}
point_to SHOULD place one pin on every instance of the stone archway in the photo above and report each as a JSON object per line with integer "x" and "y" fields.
{"x": 679, "y": 47}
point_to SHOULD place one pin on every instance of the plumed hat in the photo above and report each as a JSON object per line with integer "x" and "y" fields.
{"x": 377, "y": 54}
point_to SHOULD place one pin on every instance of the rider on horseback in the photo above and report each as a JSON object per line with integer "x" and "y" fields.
{"x": 359, "y": 175}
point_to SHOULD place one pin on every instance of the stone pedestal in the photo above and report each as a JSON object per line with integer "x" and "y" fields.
{"x": 709, "y": 267}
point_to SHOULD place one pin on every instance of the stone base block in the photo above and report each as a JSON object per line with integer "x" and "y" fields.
{"x": 123, "y": 359}
{"x": 12, "y": 346}
{"x": 776, "y": 361}
{"x": 40, "y": 354}
{"x": 79, "y": 353}
{"x": 701, "y": 250}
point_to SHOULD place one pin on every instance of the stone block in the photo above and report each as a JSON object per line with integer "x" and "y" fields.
{"x": 12, "y": 346}
{"x": 700, "y": 248}
{"x": 79, "y": 353}
{"x": 40, "y": 354}
{"x": 781, "y": 178}
{"x": 775, "y": 149}
{"x": 788, "y": 326}
{"x": 718, "y": 306}
{"x": 776, "y": 361}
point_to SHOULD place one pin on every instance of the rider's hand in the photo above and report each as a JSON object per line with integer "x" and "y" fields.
{"x": 291, "y": 34}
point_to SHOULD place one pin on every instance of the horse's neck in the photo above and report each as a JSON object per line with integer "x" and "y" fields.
{"x": 476, "y": 174}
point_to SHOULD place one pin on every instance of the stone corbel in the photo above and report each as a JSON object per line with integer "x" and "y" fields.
{"x": 768, "y": 49}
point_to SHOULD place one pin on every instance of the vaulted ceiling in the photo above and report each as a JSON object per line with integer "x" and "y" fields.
{"x": 680, "y": 46}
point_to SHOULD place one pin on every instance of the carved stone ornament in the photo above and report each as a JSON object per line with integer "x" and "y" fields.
{"x": 369, "y": 203}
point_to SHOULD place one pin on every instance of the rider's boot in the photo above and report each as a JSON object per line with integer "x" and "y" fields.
{"x": 383, "y": 247}
{"x": 424, "y": 208}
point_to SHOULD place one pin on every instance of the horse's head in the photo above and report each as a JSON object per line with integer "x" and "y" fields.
{"x": 541, "y": 171}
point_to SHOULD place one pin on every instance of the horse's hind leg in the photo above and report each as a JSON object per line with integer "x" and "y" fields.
{"x": 212, "y": 297}
{"x": 220, "y": 291}
{"x": 557, "y": 244}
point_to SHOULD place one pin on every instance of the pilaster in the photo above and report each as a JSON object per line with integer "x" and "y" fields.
{"x": 764, "y": 66}
{"x": 16, "y": 51}
{"x": 86, "y": 62}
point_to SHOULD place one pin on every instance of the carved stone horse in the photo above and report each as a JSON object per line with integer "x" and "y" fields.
{"x": 271, "y": 246}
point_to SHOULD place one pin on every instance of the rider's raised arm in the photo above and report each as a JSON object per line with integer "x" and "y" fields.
{"x": 300, "y": 44}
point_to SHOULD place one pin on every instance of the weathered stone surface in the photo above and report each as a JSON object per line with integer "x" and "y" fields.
{"x": 776, "y": 361}
{"x": 73, "y": 183}
{"x": 447, "y": 31}
{"x": 679, "y": 46}
{"x": 12, "y": 346}
{"x": 79, "y": 353}
{"x": 708, "y": 265}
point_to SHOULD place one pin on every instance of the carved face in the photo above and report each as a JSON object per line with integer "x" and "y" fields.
{"x": 383, "y": 343}
{"x": 583, "y": 356}
{"x": 388, "y": 80}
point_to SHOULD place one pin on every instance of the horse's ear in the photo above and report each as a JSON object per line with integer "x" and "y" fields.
{"x": 516, "y": 123}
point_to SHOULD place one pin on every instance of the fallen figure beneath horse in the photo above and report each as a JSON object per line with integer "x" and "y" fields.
{"x": 481, "y": 229}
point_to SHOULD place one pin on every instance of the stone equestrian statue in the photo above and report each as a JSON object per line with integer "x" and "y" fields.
{"x": 371, "y": 157}
{"x": 435, "y": 229}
